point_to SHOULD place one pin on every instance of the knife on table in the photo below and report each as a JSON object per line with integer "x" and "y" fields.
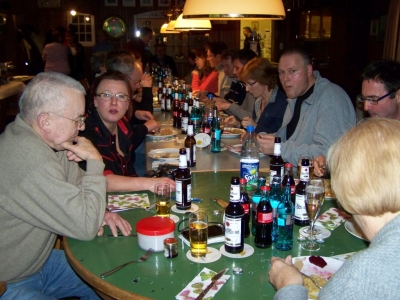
{"x": 214, "y": 280}
{"x": 222, "y": 203}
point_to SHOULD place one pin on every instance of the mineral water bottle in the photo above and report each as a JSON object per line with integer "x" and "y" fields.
{"x": 275, "y": 199}
{"x": 285, "y": 221}
{"x": 249, "y": 160}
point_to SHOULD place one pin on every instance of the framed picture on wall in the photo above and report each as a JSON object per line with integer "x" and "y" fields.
{"x": 129, "y": 3}
{"x": 111, "y": 3}
{"x": 180, "y": 3}
{"x": 164, "y": 3}
{"x": 146, "y": 3}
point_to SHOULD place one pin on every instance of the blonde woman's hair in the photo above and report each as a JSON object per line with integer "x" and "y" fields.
{"x": 364, "y": 166}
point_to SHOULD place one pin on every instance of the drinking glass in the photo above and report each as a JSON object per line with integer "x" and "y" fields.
{"x": 317, "y": 183}
{"x": 311, "y": 169}
{"x": 198, "y": 233}
{"x": 162, "y": 194}
{"x": 314, "y": 196}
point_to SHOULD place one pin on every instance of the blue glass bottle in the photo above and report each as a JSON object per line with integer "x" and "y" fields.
{"x": 275, "y": 199}
{"x": 254, "y": 202}
{"x": 285, "y": 221}
{"x": 215, "y": 134}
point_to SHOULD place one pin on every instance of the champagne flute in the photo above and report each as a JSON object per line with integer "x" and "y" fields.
{"x": 316, "y": 183}
{"x": 314, "y": 195}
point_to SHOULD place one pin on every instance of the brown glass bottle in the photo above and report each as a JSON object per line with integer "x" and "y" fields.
{"x": 245, "y": 201}
{"x": 183, "y": 183}
{"x": 300, "y": 212}
{"x": 276, "y": 165}
{"x": 289, "y": 181}
{"x": 185, "y": 118}
{"x": 190, "y": 145}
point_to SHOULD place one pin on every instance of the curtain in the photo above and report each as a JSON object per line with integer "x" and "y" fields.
{"x": 391, "y": 49}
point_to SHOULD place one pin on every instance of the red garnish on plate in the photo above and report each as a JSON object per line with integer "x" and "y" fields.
{"x": 318, "y": 261}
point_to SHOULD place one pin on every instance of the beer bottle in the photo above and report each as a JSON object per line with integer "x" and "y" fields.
{"x": 255, "y": 200}
{"x": 176, "y": 112}
{"x": 263, "y": 238}
{"x": 215, "y": 134}
{"x": 234, "y": 220}
{"x": 160, "y": 91}
{"x": 183, "y": 183}
{"x": 300, "y": 212}
{"x": 190, "y": 145}
{"x": 245, "y": 201}
{"x": 275, "y": 199}
{"x": 205, "y": 127}
{"x": 285, "y": 221}
{"x": 185, "y": 118}
{"x": 164, "y": 100}
{"x": 276, "y": 165}
{"x": 169, "y": 100}
{"x": 289, "y": 181}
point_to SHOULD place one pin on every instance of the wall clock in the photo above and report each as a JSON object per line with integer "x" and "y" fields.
{"x": 115, "y": 27}
{"x": 49, "y": 3}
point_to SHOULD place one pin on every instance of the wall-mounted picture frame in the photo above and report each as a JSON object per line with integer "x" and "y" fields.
{"x": 129, "y": 3}
{"x": 255, "y": 26}
{"x": 111, "y": 2}
{"x": 164, "y": 3}
{"x": 144, "y": 3}
{"x": 180, "y": 3}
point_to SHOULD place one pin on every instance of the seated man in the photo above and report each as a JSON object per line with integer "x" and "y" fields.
{"x": 319, "y": 112}
{"x": 163, "y": 60}
{"x": 44, "y": 193}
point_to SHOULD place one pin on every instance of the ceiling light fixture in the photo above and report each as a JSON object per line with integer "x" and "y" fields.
{"x": 189, "y": 24}
{"x": 164, "y": 30}
{"x": 234, "y": 10}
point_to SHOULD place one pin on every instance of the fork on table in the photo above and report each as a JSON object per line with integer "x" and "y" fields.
{"x": 143, "y": 258}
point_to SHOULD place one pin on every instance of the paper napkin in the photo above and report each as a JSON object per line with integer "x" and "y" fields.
{"x": 332, "y": 218}
{"x": 199, "y": 283}
{"x": 127, "y": 201}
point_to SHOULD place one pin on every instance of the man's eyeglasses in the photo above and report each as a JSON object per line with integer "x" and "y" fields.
{"x": 108, "y": 97}
{"x": 248, "y": 84}
{"x": 80, "y": 122}
{"x": 372, "y": 100}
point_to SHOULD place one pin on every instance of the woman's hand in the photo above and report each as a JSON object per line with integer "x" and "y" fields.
{"x": 283, "y": 273}
{"x": 231, "y": 122}
{"x": 248, "y": 121}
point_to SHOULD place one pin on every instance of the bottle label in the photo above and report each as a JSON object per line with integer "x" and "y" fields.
{"x": 216, "y": 134}
{"x": 246, "y": 207}
{"x": 285, "y": 219}
{"x": 182, "y": 160}
{"x": 249, "y": 170}
{"x": 188, "y": 153}
{"x": 235, "y": 193}
{"x": 179, "y": 192}
{"x": 168, "y": 104}
{"x": 233, "y": 231}
{"x": 264, "y": 218}
{"x": 162, "y": 103}
{"x": 292, "y": 190}
{"x": 277, "y": 149}
{"x": 300, "y": 211}
{"x": 184, "y": 123}
{"x": 272, "y": 173}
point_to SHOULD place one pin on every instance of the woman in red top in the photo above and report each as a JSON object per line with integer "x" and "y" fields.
{"x": 205, "y": 80}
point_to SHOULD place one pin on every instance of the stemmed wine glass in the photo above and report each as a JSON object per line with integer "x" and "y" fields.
{"x": 317, "y": 183}
{"x": 314, "y": 196}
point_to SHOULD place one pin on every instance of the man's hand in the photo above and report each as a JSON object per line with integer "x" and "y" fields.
{"x": 248, "y": 121}
{"x": 221, "y": 103}
{"x": 231, "y": 121}
{"x": 152, "y": 125}
{"x": 144, "y": 115}
{"x": 165, "y": 180}
{"x": 83, "y": 149}
{"x": 115, "y": 221}
{"x": 283, "y": 273}
{"x": 266, "y": 143}
{"x": 147, "y": 80}
{"x": 319, "y": 165}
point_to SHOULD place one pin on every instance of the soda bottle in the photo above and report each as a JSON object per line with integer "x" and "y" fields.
{"x": 249, "y": 160}
{"x": 263, "y": 238}
{"x": 245, "y": 201}
{"x": 289, "y": 181}
{"x": 285, "y": 221}
{"x": 183, "y": 183}
{"x": 276, "y": 165}
{"x": 300, "y": 212}
{"x": 190, "y": 145}
{"x": 275, "y": 199}
{"x": 234, "y": 220}
{"x": 254, "y": 203}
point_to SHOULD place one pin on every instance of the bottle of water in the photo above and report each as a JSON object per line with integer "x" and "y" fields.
{"x": 275, "y": 199}
{"x": 249, "y": 160}
{"x": 285, "y": 221}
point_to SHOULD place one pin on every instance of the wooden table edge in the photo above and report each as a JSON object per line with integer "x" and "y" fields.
{"x": 98, "y": 284}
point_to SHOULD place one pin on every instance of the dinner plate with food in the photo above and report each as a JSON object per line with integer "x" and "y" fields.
{"x": 319, "y": 268}
{"x": 167, "y": 154}
{"x": 163, "y": 133}
{"x": 231, "y": 133}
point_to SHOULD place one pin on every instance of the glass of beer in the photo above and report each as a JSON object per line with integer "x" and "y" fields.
{"x": 198, "y": 233}
{"x": 162, "y": 194}
{"x": 311, "y": 169}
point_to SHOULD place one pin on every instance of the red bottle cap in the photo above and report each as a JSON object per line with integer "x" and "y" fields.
{"x": 243, "y": 180}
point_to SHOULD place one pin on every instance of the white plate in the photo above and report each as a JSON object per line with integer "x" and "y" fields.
{"x": 153, "y": 136}
{"x": 193, "y": 208}
{"x": 304, "y": 265}
{"x": 161, "y": 153}
{"x": 231, "y": 135}
{"x": 214, "y": 255}
{"x": 325, "y": 233}
{"x": 202, "y": 140}
{"x": 352, "y": 227}
{"x": 248, "y": 250}
{"x": 237, "y": 148}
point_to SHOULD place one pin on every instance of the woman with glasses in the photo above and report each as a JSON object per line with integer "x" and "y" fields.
{"x": 206, "y": 79}
{"x": 110, "y": 131}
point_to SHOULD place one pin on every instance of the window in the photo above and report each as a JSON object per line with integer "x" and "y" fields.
{"x": 84, "y": 25}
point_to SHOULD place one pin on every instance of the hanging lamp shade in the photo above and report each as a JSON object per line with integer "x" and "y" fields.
{"x": 234, "y": 10}
{"x": 163, "y": 30}
{"x": 171, "y": 25}
{"x": 188, "y": 24}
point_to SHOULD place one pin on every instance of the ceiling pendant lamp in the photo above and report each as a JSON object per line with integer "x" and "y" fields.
{"x": 171, "y": 25}
{"x": 234, "y": 10}
{"x": 163, "y": 30}
{"x": 188, "y": 24}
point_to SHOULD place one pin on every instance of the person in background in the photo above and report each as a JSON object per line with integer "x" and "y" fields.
{"x": 226, "y": 78}
{"x": 55, "y": 55}
{"x": 238, "y": 111}
{"x": 44, "y": 193}
{"x": 372, "y": 147}
{"x": 214, "y": 57}
{"x": 205, "y": 80}
{"x": 76, "y": 57}
{"x": 380, "y": 95}
{"x": 163, "y": 60}
{"x": 98, "y": 63}
{"x": 191, "y": 60}
{"x": 109, "y": 130}
{"x": 139, "y": 47}
{"x": 318, "y": 113}
{"x": 103, "y": 43}
{"x": 247, "y": 35}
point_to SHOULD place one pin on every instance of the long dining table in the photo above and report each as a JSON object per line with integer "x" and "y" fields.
{"x": 163, "y": 278}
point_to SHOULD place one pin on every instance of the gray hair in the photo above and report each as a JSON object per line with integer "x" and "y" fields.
{"x": 45, "y": 93}
{"x": 120, "y": 60}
